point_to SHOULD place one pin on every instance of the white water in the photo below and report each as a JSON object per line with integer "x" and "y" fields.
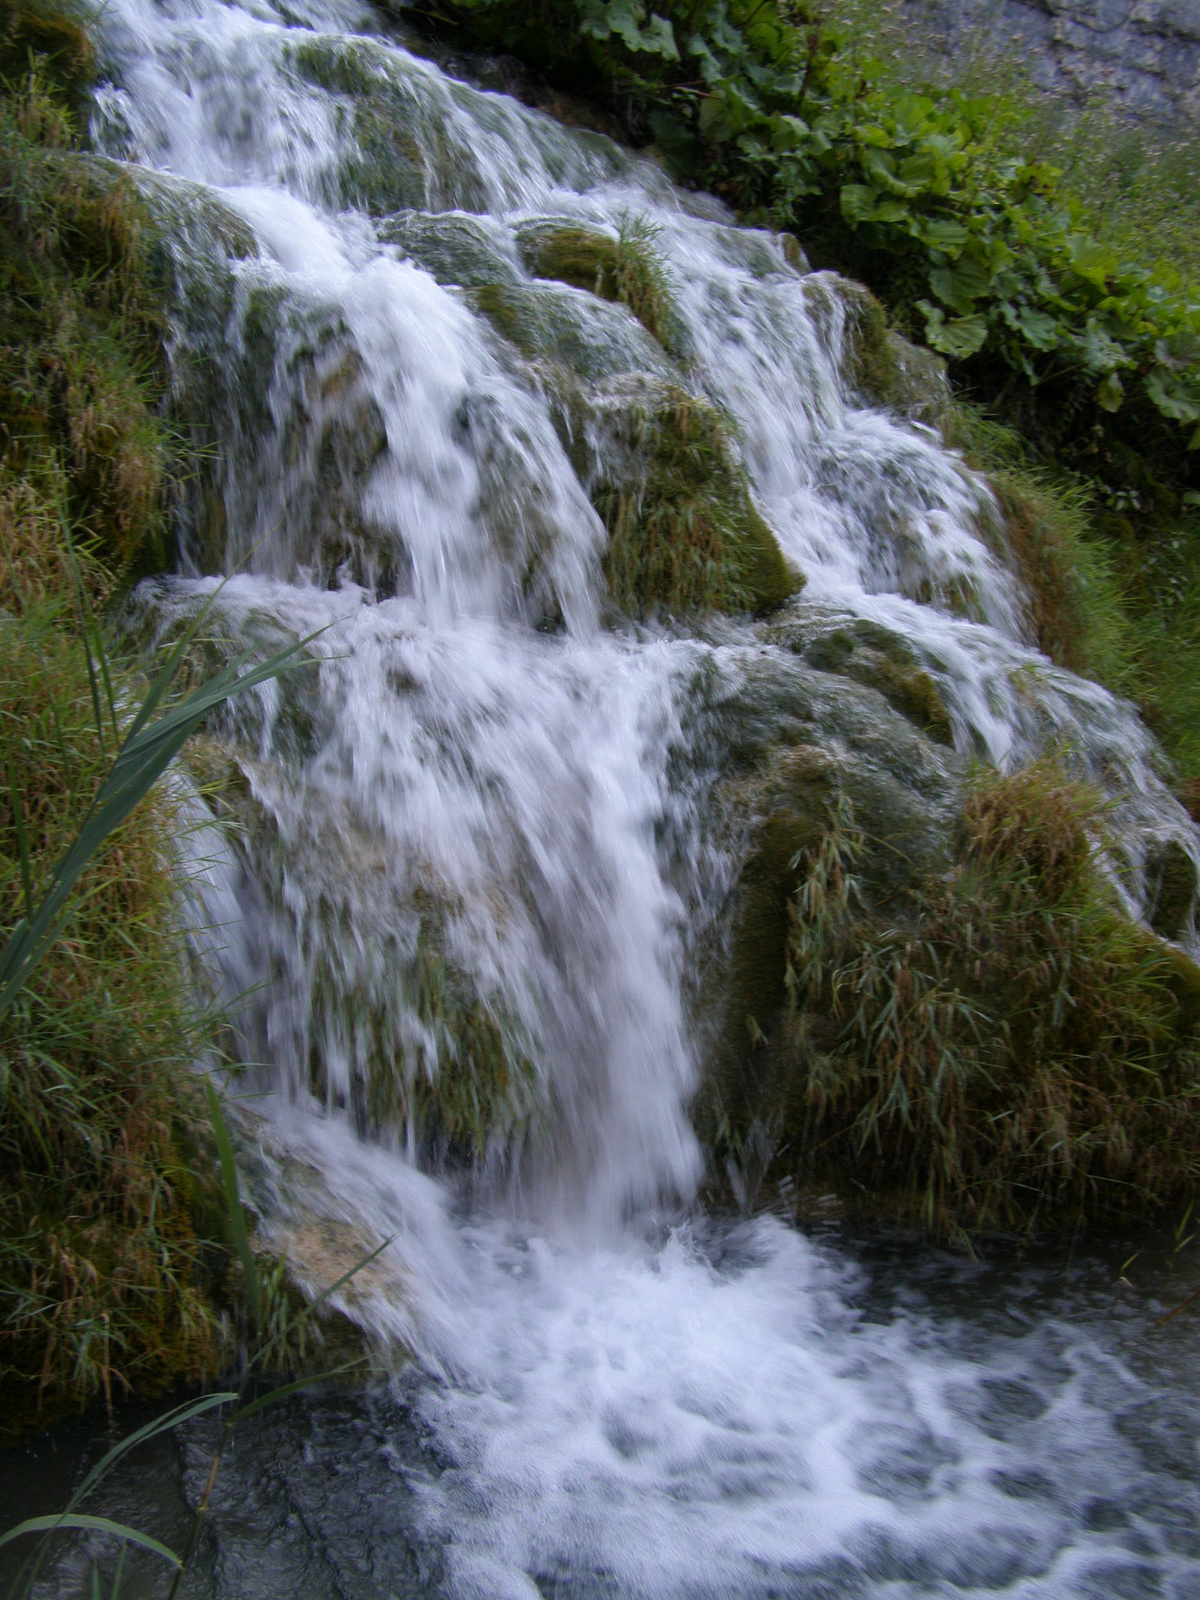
{"x": 624, "y": 1411}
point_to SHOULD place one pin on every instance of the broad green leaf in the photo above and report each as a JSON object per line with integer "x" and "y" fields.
{"x": 941, "y": 233}
{"x": 957, "y": 337}
{"x": 1037, "y": 328}
{"x": 1170, "y": 396}
{"x": 1101, "y": 352}
{"x": 858, "y": 202}
{"x": 788, "y": 132}
{"x": 919, "y": 171}
{"x": 1110, "y": 396}
{"x": 958, "y": 290}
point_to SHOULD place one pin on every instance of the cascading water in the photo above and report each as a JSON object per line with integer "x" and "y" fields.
{"x": 481, "y": 847}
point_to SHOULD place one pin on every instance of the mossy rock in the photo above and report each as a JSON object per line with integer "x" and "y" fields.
{"x": 456, "y": 250}
{"x": 391, "y": 169}
{"x": 590, "y": 337}
{"x": 625, "y": 270}
{"x": 987, "y": 1041}
{"x": 879, "y": 363}
{"x": 192, "y": 217}
{"x": 582, "y": 257}
{"x": 878, "y": 659}
{"x": 684, "y": 533}
{"x": 802, "y": 745}
{"x": 1171, "y": 890}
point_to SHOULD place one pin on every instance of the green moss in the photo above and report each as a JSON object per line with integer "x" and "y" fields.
{"x": 1000, "y": 1047}
{"x": 878, "y": 659}
{"x": 883, "y": 366}
{"x": 1171, "y": 876}
{"x": 626, "y": 269}
{"x": 478, "y": 1087}
{"x": 105, "y": 1284}
{"x": 1048, "y": 535}
{"x": 683, "y": 531}
{"x": 456, "y": 250}
{"x": 55, "y": 36}
{"x": 797, "y": 758}
{"x": 82, "y": 367}
{"x": 590, "y": 339}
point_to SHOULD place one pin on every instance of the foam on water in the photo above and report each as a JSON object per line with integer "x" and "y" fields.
{"x": 627, "y": 1402}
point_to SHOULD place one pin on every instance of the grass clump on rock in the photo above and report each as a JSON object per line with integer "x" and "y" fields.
{"x": 1002, "y": 1046}
{"x": 626, "y": 269}
{"x": 684, "y": 534}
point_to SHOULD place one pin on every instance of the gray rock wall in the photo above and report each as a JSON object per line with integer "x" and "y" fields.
{"x": 1145, "y": 53}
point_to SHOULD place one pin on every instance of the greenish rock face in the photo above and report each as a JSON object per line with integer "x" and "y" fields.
{"x": 877, "y": 659}
{"x": 1172, "y": 881}
{"x": 684, "y": 534}
{"x": 879, "y": 362}
{"x": 591, "y": 337}
{"x": 626, "y": 269}
{"x": 796, "y": 743}
{"x": 459, "y": 251}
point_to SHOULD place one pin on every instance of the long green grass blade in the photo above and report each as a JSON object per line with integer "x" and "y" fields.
{"x": 97, "y": 1524}
{"x": 18, "y": 814}
{"x": 169, "y": 1419}
{"x": 287, "y": 1389}
{"x": 233, "y": 1200}
{"x": 141, "y": 761}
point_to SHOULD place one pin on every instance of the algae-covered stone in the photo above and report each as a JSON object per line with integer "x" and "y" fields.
{"x": 454, "y": 248}
{"x": 798, "y": 745}
{"x": 625, "y": 269}
{"x": 1171, "y": 885}
{"x": 878, "y": 659}
{"x": 987, "y": 1040}
{"x": 589, "y": 336}
{"x": 883, "y": 366}
{"x": 684, "y": 533}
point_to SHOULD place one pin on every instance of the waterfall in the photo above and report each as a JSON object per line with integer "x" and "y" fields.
{"x": 477, "y": 845}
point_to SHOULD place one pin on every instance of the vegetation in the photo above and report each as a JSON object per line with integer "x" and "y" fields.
{"x": 626, "y": 269}
{"x": 111, "y": 1262}
{"x": 683, "y": 531}
{"x": 995, "y": 1047}
{"x": 277, "y": 1335}
{"x": 103, "y": 1281}
{"x": 967, "y": 240}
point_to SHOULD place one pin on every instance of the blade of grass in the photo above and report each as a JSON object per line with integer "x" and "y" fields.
{"x": 97, "y": 1524}
{"x": 169, "y": 1419}
{"x": 141, "y": 761}
{"x": 287, "y": 1389}
{"x": 233, "y": 1199}
{"x": 18, "y": 812}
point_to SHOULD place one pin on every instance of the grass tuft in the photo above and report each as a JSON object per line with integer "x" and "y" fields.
{"x": 1005, "y": 1047}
